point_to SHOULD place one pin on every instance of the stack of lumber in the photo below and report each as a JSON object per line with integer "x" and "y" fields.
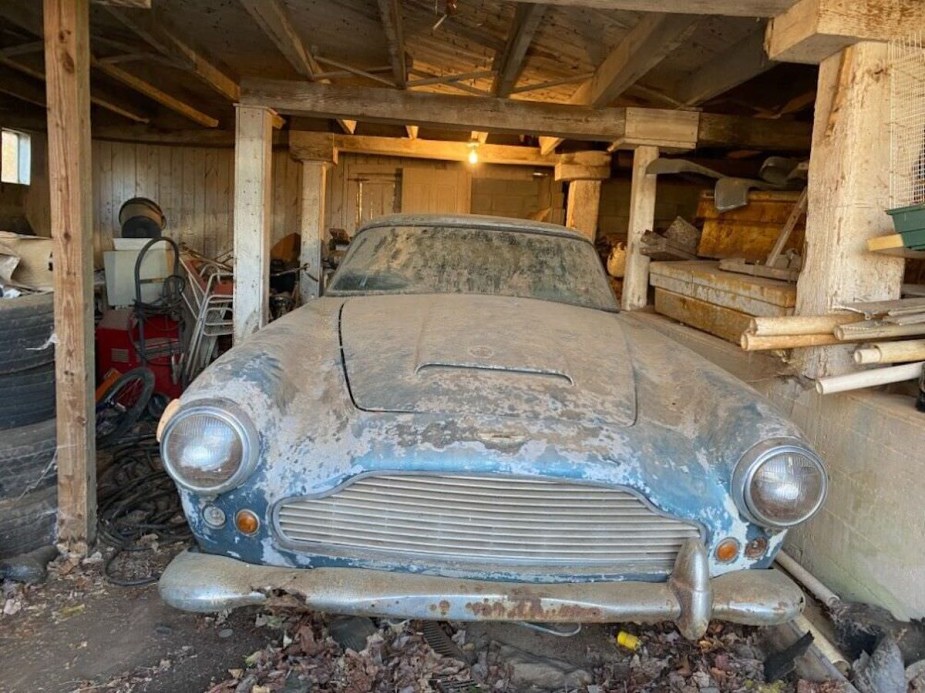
{"x": 699, "y": 294}
{"x": 861, "y": 322}
{"x": 909, "y": 239}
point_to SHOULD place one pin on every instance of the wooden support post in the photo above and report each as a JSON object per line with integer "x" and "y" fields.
{"x": 314, "y": 192}
{"x": 584, "y": 171}
{"x": 642, "y": 219}
{"x": 67, "y": 64}
{"x": 253, "y": 199}
{"x": 848, "y": 193}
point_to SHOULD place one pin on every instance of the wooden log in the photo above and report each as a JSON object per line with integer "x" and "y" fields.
{"x": 314, "y": 185}
{"x": 891, "y": 352}
{"x": 875, "y": 329}
{"x": 751, "y": 342}
{"x": 872, "y": 378}
{"x": 584, "y": 200}
{"x": 799, "y": 324}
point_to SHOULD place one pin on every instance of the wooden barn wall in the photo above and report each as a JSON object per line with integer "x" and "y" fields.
{"x": 194, "y": 186}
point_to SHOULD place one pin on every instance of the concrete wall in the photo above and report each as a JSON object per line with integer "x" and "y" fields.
{"x": 868, "y": 542}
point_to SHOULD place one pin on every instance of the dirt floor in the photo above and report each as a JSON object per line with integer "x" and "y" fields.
{"x": 79, "y": 633}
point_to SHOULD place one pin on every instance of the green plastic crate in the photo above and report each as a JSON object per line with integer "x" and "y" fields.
{"x": 907, "y": 219}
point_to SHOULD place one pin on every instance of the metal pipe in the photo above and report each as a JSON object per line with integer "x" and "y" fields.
{"x": 807, "y": 579}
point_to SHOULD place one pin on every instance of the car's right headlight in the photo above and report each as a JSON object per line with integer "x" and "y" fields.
{"x": 209, "y": 447}
{"x": 779, "y": 483}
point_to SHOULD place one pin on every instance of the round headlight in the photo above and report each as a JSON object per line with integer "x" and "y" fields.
{"x": 779, "y": 484}
{"x": 209, "y": 448}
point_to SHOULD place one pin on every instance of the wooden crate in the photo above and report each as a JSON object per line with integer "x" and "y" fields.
{"x": 725, "y": 323}
{"x": 748, "y": 232}
{"x": 704, "y": 281}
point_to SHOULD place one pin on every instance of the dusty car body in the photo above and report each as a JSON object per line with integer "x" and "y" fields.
{"x": 464, "y": 427}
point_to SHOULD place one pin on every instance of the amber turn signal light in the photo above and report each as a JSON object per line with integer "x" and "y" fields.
{"x": 727, "y": 550}
{"x": 246, "y": 522}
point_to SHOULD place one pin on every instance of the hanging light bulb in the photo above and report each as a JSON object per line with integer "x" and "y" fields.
{"x": 473, "y": 156}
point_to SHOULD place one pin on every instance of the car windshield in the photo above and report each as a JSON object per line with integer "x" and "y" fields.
{"x": 461, "y": 260}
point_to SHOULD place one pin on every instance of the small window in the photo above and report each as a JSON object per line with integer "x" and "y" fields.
{"x": 16, "y": 164}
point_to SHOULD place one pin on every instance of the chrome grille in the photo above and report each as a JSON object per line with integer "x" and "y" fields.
{"x": 486, "y": 520}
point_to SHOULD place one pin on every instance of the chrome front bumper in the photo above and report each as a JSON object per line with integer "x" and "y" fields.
{"x": 206, "y": 583}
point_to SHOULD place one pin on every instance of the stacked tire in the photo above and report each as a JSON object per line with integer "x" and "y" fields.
{"x": 28, "y": 476}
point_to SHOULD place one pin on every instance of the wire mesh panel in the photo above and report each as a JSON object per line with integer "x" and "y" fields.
{"x": 907, "y": 126}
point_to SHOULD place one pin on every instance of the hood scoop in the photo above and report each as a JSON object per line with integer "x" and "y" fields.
{"x": 455, "y": 355}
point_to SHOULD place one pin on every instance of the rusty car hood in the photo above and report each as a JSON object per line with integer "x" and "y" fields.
{"x": 451, "y": 355}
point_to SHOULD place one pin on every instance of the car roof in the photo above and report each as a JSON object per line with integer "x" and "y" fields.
{"x": 473, "y": 221}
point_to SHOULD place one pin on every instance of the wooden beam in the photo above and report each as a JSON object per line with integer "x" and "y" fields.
{"x": 479, "y": 136}
{"x": 727, "y": 70}
{"x": 642, "y": 219}
{"x": 412, "y": 131}
{"x": 314, "y": 187}
{"x": 253, "y": 199}
{"x": 509, "y": 63}
{"x": 23, "y": 49}
{"x": 430, "y": 79}
{"x": 812, "y": 30}
{"x": 67, "y": 60}
{"x": 456, "y": 111}
{"x": 582, "y": 207}
{"x": 165, "y": 39}
{"x": 728, "y": 8}
{"x": 549, "y": 84}
{"x": 156, "y": 94}
{"x": 848, "y": 193}
{"x": 359, "y": 72}
{"x": 23, "y": 89}
{"x": 138, "y": 4}
{"x": 311, "y": 145}
{"x": 390, "y": 14}
{"x": 753, "y": 133}
{"x": 273, "y": 18}
{"x": 672, "y": 131}
{"x": 647, "y": 44}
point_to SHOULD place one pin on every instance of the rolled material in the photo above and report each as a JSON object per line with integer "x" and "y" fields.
{"x": 751, "y": 342}
{"x": 891, "y": 352}
{"x": 876, "y": 330}
{"x": 872, "y": 378}
{"x": 800, "y": 324}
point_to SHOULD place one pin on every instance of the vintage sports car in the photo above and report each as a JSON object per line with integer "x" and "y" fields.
{"x": 465, "y": 427}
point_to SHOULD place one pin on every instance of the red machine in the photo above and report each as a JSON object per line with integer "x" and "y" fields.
{"x": 122, "y": 344}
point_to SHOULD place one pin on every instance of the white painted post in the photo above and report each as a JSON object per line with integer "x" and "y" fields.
{"x": 314, "y": 190}
{"x": 642, "y": 219}
{"x": 253, "y": 199}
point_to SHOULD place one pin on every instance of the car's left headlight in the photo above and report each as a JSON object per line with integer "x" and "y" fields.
{"x": 209, "y": 447}
{"x": 779, "y": 483}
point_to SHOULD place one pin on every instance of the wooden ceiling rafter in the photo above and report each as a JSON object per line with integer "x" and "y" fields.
{"x": 273, "y": 19}
{"x": 646, "y": 45}
{"x": 509, "y": 63}
{"x": 390, "y": 15}
{"x": 727, "y": 8}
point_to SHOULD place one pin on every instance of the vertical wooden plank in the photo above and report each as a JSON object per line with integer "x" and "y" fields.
{"x": 67, "y": 67}
{"x": 848, "y": 193}
{"x": 96, "y": 197}
{"x": 212, "y": 203}
{"x": 253, "y": 197}
{"x": 176, "y": 193}
{"x": 226, "y": 182}
{"x": 188, "y": 197}
{"x": 642, "y": 219}
{"x": 105, "y": 194}
{"x": 165, "y": 188}
{"x": 199, "y": 196}
{"x": 278, "y": 222}
{"x": 314, "y": 194}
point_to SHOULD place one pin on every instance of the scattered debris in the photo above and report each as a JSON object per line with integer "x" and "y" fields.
{"x": 779, "y": 664}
